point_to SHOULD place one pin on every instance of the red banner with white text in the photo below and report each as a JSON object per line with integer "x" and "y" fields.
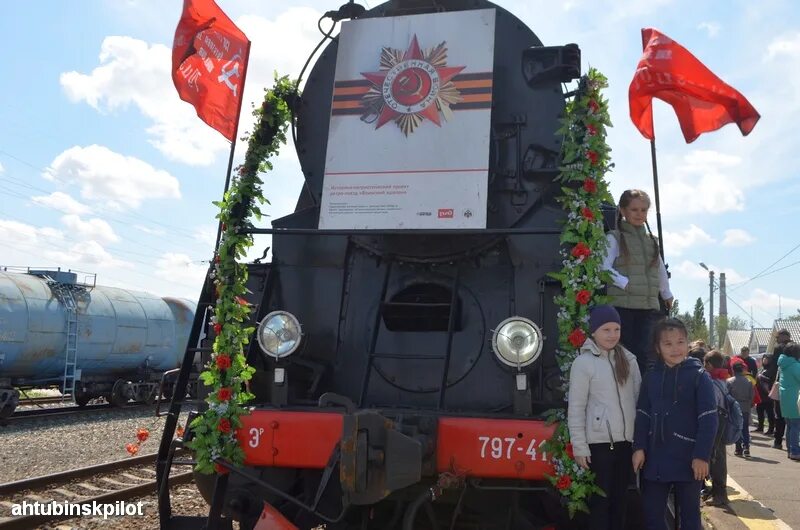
{"x": 209, "y": 59}
{"x": 702, "y": 101}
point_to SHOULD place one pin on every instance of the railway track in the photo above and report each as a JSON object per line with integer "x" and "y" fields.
{"x": 104, "y": 484}
{"x": 48, "y": 400}
{"x": 56, "y": 412}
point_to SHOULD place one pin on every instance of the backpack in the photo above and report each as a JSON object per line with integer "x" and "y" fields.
{"x": 731, "y": 414}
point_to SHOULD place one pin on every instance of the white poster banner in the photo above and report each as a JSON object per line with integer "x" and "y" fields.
{"x": 408, "y": 145}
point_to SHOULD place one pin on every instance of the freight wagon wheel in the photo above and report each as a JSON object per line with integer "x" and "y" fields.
{"x": 118, "y": 394}
{"x": 81, "y": 398}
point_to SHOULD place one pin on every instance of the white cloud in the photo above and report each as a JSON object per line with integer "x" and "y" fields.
{"x": 206, "y": 234}
{"x": 87, "y": 252}
{"x": 16, "y": 232}
{"x": 173, "y": 266}
{"x": 62, "y": 202}
{"x": 770, "y": 302}
{"x": 693, "y": 271}
{"x": 786, "y": 45}
{"x": 707, "y": 181}
{"x": 133, "y": 73}
{"x": 736, "y": 237}
{"x": 676, "y": 242}
{"x": 151, "y": 231}
{"x": 94, "y": 229}
{"x": 2, "y": 168}
{"x": 103, "y": 175}
{"x": 711, "y": 27}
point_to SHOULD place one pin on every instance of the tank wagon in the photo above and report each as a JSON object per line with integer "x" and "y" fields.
{"x": 90, "y": 340}
{"x": 403, "y": 374}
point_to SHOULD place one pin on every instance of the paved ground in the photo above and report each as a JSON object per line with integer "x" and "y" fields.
{"x": 764, "y": 490}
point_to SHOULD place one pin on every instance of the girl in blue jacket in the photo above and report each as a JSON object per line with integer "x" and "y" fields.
{"x": 676, "y": 421}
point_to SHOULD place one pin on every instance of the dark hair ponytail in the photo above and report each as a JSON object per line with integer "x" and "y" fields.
{"x": 622, "y": 368}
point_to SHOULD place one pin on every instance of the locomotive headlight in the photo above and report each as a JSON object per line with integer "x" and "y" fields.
{"x": 517, "y": 342}
{"x": 279, "y": 334}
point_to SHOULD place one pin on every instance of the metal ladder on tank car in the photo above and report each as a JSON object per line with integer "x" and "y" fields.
{"x": 65, "y": 295}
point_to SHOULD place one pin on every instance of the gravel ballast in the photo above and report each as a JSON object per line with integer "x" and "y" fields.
{"x": 35, "y": 447}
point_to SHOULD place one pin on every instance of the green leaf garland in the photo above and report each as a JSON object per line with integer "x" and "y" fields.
{"x": 228, "y": 372}
{"x": 584, "y": 189}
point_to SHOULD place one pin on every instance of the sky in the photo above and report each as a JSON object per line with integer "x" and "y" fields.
{"x": 103, "y": 169}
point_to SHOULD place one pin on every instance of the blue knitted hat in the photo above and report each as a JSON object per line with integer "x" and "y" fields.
{"x": 602, "y": 314}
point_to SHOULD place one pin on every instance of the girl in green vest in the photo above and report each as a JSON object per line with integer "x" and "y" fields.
{"x": 638, "y": 275}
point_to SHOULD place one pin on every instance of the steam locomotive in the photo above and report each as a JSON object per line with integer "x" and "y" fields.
{"x": 406, "y": 337}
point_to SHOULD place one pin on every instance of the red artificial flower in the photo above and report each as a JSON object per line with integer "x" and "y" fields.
{"x": 581, "y": 251}
{"x": 583, "y": 296}
{"x": 216, "y": 258}
{"x": 591, "y": 129}
{"x": 568, "y": 449}
{"x": 587, "y": 213}
{"x": 223, "y": 361}
{"x": 224, "y": 425}
{"x": 590, "y": 186}
{"x": 593, "y": 106}
{"x": 132, "y": 449}
{"x": 564, "y": 482}
{"x": 142, "y": 434}
{"x": 240, "y": 300}
{"x": 224, "y": 394}
{"x": 222, "y": 470}
{"x": 577, "y": 337}
{"x": 224, "y": 226}
{"x": 217, "y": 328}
{"x": 593, "y": 157}
{"x": 179, "y": 431}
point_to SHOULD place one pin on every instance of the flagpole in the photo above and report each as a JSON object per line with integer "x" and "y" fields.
{"x": 654, "y": 164}
{"x": 233, "y": 142}
{"x": 655, "y": 185}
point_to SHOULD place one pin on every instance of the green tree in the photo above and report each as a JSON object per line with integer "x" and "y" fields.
{"x": 794, "y": 317}
{"x": 699, "y": 327}
{"x": 674, "y": 311}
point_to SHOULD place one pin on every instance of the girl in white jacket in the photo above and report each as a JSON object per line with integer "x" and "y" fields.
{"x": 604, "y": 387}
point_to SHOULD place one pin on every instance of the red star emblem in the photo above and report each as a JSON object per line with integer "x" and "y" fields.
{"x": 411, "y": 85}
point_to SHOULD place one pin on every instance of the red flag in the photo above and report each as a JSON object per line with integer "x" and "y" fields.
{"x": 209, "y": 59}
{"x": 702, "y": 101}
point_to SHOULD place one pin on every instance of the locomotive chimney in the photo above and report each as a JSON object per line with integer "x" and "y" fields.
{"x": 723, "y": 297}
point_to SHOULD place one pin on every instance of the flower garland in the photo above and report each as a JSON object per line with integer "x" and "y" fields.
{"x": 214, "y": 432}
{"x": 583, "y": 240}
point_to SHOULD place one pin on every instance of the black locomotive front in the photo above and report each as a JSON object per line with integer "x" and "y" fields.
{"x": 427, "y": 358}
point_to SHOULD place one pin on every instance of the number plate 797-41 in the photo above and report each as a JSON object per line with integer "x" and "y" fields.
{"x": 504, "y": 448}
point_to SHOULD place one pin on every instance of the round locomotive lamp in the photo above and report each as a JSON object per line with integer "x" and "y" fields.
{"x": 517, "y": 342}
{"x": 279, "y": 334}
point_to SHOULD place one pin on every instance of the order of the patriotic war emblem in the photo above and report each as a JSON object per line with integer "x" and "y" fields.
{"x": 410, "y": 87}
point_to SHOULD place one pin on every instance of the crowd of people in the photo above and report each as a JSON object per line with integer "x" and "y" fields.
{"x": 645, "y": 401}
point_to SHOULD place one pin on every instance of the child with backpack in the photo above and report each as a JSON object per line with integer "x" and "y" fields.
{"x": 742, "y": 390}
{"x": 676, "y": 423}
{"x": 717, "y": 495}
{"x": 604, "y": 385}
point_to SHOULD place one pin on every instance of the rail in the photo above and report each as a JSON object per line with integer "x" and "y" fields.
{"x": 117, "y": 487}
